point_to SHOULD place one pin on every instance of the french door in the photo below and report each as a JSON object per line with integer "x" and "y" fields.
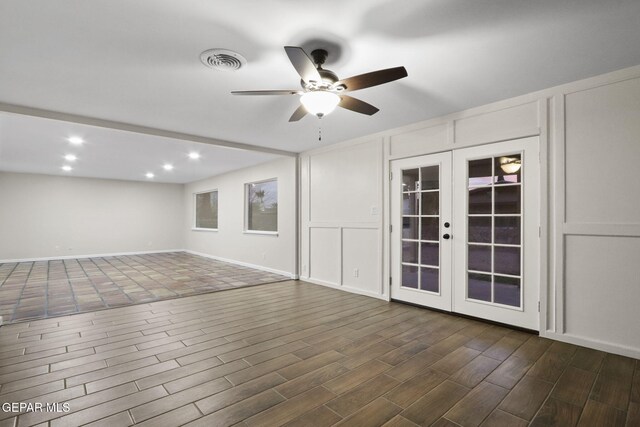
{"x": 465, "y": 231}
{"x": 421, "y": 211}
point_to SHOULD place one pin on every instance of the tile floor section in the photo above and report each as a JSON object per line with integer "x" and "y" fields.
{"x": 42, "y": 289}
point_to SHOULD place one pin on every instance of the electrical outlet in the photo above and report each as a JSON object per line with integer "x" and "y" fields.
{"x": 304, "y": 268}
{"x": 356, "y": 273}
{"x": 374, "y": 210}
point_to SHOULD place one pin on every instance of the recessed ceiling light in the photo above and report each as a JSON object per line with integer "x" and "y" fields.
{"x": 149, "y": 175}
{"x": 70, "y": 158}
{"x": 167, "y": 166}
{"x": 67, "y": 168}
{"x": 193, "y": 155}
{"x": 75, "y": 140}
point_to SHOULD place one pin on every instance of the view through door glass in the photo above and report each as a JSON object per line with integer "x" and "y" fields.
{"x": 420, "y": 228}
{"x": 494, "y": 238}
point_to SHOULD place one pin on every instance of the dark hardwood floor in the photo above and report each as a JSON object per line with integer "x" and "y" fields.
{"x": 297, "y": 354}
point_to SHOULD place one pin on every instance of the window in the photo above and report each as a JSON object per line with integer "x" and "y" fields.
{"x": 207, "y": 210}
{"x": 262, "y": 206}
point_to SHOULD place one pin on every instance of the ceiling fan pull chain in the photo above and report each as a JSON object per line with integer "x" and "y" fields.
{"x": 320, "y": 133}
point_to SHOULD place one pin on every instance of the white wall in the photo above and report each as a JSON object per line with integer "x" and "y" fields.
{"x": 270, "y": 252}
{"x": 598, "y": 213}
{"x": 52, "y": 216}
{"x": 341, "y": 208}
{"x": 589, "y": 133}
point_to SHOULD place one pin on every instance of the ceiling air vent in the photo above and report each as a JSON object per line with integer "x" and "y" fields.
{"x": 223, "y": 59}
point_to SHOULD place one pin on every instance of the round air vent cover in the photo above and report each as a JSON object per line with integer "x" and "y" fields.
{"x": 223, "y": 59}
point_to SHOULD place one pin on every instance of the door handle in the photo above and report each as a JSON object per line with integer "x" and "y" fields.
{"x": 447, "y": 236}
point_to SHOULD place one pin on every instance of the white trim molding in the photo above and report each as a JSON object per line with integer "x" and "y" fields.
{"x": 129, "y": 127}
{"x": 593, "y": 343}
{"x": 345, "y": 288}
{"x": 288, "y": 274}
{"x": 112, "y": 254}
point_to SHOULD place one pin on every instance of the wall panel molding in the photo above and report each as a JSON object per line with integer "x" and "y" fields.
{"x": 592, "y": 229}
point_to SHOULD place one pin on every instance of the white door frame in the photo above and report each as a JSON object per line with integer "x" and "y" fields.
{"x": 457, "y": 293}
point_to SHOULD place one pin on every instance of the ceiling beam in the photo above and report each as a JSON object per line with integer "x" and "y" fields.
{"x": 128, "y": 127}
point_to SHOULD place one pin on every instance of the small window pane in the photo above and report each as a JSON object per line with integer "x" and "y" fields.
{"x": 410, "y": 204}
{"x": 508, "y": 230}
{"x": 410, "y": 252}
{"x": 262, "y": 206}
{"x": 480, "y": 172}
{"x": 507, "y": 199}
{"x": 207, "y": 210}
{"x": 507, "y": 290}
{"x": 431, "y": 203}
{"x": 430, "y": 228}
{"x": 430, "y": 254}
{"x": 410, "y": 276}
{"x": 479, "y": 258}
{"x": 429, "y": 279}
{"x": 410, "y": 228}
{"x": 480, "y": 200}
{"x": 430, "y": 178}
{"x": 410, "y": 179}
{"x": 479, "y": 287}
{"x": 507, "y": 260}
{"x": 508, "y": 169}
{"x": 480, "y": 229}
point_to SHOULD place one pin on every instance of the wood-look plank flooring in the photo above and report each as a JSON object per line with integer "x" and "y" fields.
{"x": 297, "y": 354}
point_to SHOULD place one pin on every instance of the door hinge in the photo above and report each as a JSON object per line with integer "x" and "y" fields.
{"x": 390, "y": 176}
{"x": 390, "y": 279}
{"x": 538, "y": 306}
{"x": 390, "y": 228}
{"x": 539, "y": 231}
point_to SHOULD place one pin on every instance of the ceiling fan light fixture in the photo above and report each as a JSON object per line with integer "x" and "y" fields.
{"x": 320, "y": 102}
{"x": 510, "y": 165}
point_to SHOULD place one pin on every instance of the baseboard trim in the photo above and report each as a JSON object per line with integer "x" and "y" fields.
{"x": 245, "y": 264}
{"x": 344, "y": 288}
{"x": 593, "y": 343}
{"x": 54, "y": 258}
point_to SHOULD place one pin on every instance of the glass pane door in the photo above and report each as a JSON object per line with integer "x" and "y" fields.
{"x": 497, "y": 215}
{"x": 420, "y": 228}
{"x": 422, "y": 206}
{"x": 494, "y": 255}
{"x": 464, "y": 233}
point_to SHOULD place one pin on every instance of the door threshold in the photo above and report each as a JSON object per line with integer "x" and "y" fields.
{"x": 466, "y": 316}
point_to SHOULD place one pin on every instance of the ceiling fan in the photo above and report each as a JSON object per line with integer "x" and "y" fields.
{"x": 322, "y": 91}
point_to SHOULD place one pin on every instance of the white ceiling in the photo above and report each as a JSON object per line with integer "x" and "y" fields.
{"x": 37, "y": 145}
{"x": 138, "y": 61}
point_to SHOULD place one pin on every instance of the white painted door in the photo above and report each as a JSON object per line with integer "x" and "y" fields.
{"x": 421, "y": 215}
{"x": 465, "y": 231}
{"x": 497, "y": 245}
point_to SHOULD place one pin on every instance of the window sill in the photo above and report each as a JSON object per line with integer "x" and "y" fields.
{"x": 204, "y": 229}
{"x": 264, "y": 233}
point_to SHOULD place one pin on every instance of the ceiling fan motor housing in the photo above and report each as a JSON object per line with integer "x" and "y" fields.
{"x": 319, "y": 56}
{"x": 328, "y": 77}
